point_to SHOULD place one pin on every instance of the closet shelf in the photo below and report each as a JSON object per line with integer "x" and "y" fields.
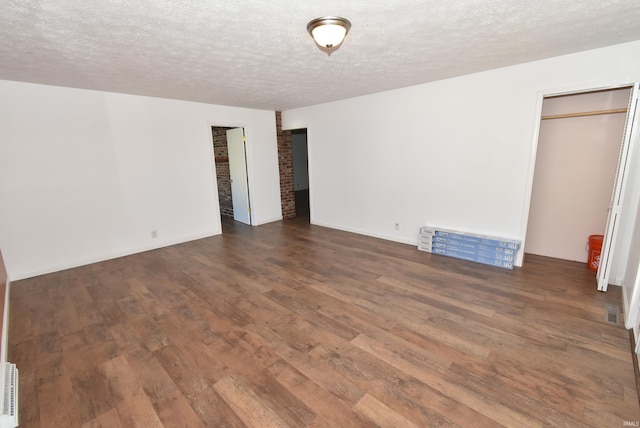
{"x": 584, "y": 113}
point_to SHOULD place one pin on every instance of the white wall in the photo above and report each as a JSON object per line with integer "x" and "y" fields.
{"x": 631, "y": 294}
{"x": 86, "y": 175}
{"x": 456, "y": 153}
{"x": 574, "y": 175}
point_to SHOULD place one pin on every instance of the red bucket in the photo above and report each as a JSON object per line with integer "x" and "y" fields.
{"x": 595, "y": 248}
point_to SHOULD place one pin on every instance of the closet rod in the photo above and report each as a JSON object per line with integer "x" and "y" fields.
{"x": 586, "y": 113}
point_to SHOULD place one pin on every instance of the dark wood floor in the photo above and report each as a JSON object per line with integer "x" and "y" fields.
{"x": 289, "y": 324}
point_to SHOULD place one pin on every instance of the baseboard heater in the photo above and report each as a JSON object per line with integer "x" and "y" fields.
{"x": 9, "y": 391}
{"x": 489, "y": 250}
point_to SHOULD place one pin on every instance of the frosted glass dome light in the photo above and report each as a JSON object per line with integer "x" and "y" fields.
{"x": 328, "y": 31}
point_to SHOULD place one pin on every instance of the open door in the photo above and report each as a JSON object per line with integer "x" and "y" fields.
{"x": 617, "y": 196}
{"x": 238, "y": 173}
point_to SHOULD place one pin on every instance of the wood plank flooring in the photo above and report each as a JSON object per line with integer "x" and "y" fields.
{"x": 293, "y": 325}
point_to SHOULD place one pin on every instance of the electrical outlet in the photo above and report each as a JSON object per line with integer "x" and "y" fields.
{"x": 396, "y": 226}
{"x": 154, "y": 234}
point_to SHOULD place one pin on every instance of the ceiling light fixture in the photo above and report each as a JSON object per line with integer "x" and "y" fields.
{"x": 328, "y": 32}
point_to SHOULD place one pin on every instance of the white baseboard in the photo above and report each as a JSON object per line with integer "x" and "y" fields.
{"x": 109, "y": 255}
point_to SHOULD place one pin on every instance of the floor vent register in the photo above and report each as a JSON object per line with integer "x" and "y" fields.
{"x": 9, "y": 392}
{"x": 488, "y": 250}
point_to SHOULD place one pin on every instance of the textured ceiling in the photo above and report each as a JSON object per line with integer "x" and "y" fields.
{"x": 257, "y": 53}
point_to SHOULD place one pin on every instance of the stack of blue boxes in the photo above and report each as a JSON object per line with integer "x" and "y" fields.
{"x": 488, "y": 250}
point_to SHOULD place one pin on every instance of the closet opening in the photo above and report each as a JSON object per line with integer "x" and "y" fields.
{"x": 579, "y": 146}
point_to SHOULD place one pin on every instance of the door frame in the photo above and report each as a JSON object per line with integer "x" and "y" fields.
{"x": 541, "y": 95}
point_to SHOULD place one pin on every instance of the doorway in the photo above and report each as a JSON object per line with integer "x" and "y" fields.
{"x": 229, "y": 147}
{"x": 293, "y": 168}
{"x": 579, "y": 144}
{"x": 300, "y": 171}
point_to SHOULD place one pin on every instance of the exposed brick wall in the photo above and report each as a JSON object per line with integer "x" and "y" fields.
{"x": 222, "y": 170}
{"x": 285, "y": 161}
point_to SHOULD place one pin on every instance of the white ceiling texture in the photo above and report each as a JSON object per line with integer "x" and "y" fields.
{"x": 257, "y": 53}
